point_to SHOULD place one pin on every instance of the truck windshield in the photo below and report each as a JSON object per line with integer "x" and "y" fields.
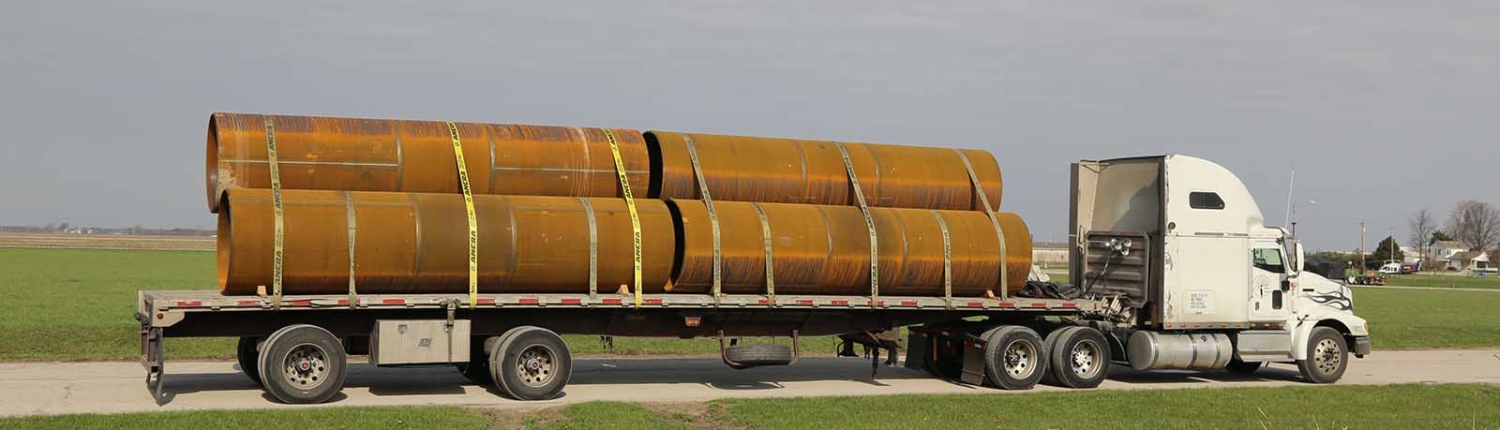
{"x": 1268, "y": 259}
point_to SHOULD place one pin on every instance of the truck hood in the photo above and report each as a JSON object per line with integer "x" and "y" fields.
{"x": 1324, "y": 292}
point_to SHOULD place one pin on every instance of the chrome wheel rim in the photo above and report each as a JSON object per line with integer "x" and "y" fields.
{"x": 306, "y": 366}
{"x": 1020, "y": 359}
{"x": 536, "y": 366}
{"x": 1084, "y": 359}
{"x": 1327, "y": 356}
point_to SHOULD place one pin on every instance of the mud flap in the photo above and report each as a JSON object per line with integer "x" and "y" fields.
{"x": 918, "y": 349}
{"x": 973, "y": 372}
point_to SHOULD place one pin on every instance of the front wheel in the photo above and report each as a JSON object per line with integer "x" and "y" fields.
{"x": 1327, "y": 356}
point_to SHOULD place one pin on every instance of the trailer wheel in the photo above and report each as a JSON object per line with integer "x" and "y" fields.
{"x": 1047, "y": 342}
{"x": 1013, "y": 357}
{"x": 1080, "y": 358}
{"x": 759, "y": 355}
{"x": 1327, "y": 356}
{"x": 248, "y": 355}
{"x": 531, "y": 363}
{"x": 477, "y": 370}
{"x": 1243, "y": 367}
{"x": 302, "y": 364}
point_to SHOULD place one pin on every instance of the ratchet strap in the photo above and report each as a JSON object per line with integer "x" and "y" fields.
{"x": 278, "y": 255}
{"x": 859, "y": 197}
{"x": 765, "y": 233}
{"x": 713, "y": 217}
{"x": 947, "y": 259}
{"x": 463, "y": 182}
{"x": 349, "y": 210}
{"x": 635, "y": 217}
{"x": 999, "y": 232}
{"x": 588, "y": 211}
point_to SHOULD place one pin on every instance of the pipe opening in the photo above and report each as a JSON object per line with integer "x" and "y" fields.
{"x": 653, "y": 152}
{"x": 223, "y": 241}
{"x": 678, "y": 252}
{"x": 211, "y": 163}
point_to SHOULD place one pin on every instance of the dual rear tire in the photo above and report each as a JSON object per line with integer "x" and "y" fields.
{"x": 530, "y": 363}
{"x": 1016, "y": 358}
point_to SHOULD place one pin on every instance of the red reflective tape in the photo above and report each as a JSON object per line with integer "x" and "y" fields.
{"x": 572, "y": 301}
{"x": 301, "y": 303}
{"x": 248, "y": 303}
{"x": 976, "y": 304}
{"x": 912, "y": 303}
{"x": 763, "y": 302}
{"x": 343, "y": 302}
{"x": 529, "y": 301}
{"x": 612, "y": 301}
{"x": 392, "y": 301}
{"x": 1039, "y": 305}
{"x": 804, "y": 302}
{"x": 653, "y": 301}
{"x": 1008, "y": 304}
{"x": 840, "y": 302}
{"x": 1070, "y": 305}
{"x": 486, "y": 301}
{"x": 189, "y": 304}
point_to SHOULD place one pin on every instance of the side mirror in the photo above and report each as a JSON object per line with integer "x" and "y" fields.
{"x": 1297, "y": 258}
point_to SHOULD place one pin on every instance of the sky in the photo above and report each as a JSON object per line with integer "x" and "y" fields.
{"x": 1382, "y": 107}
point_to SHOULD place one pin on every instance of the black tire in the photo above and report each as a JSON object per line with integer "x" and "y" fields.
{"x": 1080, "y": 358}
{"x": 538, "y": 354}
{"x": 1013, "y": 357}
{"x": 1238, "y": 367}
{"x": 1051, "y": 338}
{"x": 759, "y": 355}
{"x": 477, "y": 370}
{"x": 248, "y": 355}
{"x": 302, "y": 364}
{"x": 1327, "y": 356}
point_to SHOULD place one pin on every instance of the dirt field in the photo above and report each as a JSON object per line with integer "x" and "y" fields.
{"x": 106, "y": 241}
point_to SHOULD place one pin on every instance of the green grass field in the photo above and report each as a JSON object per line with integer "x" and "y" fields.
{"x": 1306, "y": 407}
{"x": 76, "y": 304}
{"x": 1445, "y": 281}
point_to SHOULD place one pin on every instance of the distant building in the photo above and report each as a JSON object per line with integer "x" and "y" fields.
{"x": 1411, "y": 255}
{"x": 1443, "y": 249}
{"x": 1467, "y": 260}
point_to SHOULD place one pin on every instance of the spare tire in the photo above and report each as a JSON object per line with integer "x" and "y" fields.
{"x": 759, "y": 355}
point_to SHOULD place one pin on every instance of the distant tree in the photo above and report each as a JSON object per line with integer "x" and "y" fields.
{"x": 1422, "y": 225}
{"x": 1439, "y": 236}
{"x": 63, "y": 227}
{"x": 50, "y": 227}
{"x": 1388, "y": 250}
{"x": 1475, "y": 222}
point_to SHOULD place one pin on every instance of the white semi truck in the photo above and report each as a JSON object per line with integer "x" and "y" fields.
{"x": 1174, "y": 265}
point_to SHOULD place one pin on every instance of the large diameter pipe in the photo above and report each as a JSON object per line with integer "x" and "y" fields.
{"x": 759, "y": 169}
{"x": 820, "y": 249}
{"x": 418, "y": 243}
{"x": 326, "y": 153}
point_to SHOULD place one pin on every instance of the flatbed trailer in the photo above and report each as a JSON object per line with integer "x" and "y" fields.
{"x": 1175, "y": 266}
{"x": 206, "y": 313}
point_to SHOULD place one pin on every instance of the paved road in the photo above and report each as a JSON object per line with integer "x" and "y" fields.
{"x": 101, "y": 387}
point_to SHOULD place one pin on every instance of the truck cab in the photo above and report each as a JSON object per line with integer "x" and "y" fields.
{"x": 1182, "y": 246}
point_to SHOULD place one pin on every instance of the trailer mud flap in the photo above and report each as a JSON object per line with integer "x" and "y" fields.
{"x": 973, "y": 372}
{"x": 918, "y": 349}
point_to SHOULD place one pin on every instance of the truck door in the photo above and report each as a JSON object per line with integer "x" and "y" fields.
{"x": 1269, "y": 298}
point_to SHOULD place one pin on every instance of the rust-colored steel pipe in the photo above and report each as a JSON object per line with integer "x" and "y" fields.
{"x": 326, "y": 153}
{"x": 821, "y": 249}
{"x": 418, "y": 243}
{"x": 774, "y": 170}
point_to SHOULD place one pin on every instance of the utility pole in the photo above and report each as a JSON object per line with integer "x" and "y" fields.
{"x": 1362, "y": 265}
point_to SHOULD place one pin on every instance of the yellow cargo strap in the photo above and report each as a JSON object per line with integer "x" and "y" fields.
{"x": 765, "y": 233}
{"x": 278, "y": 255}
{"x": 713, "y": 216}
{"x": 999, "y": 232}
{"x": 349, "y": 211}
{"x": 859, "y": 197}
{"x": 588, "y": 211}
{"x": 947, "y": 259}
{"x": 463, "y": 182}
{"x": 635, "y": 217}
